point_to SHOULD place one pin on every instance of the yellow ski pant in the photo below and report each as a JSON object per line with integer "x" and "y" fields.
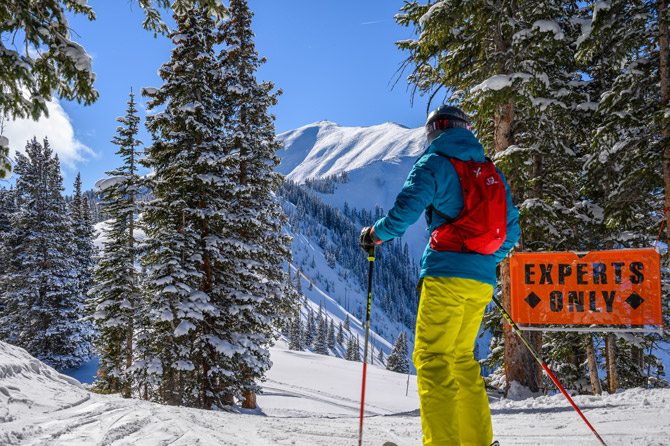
{"x": 454, "y": 405}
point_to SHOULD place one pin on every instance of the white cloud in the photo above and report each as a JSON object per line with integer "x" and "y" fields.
{"x": 57, "y": 128}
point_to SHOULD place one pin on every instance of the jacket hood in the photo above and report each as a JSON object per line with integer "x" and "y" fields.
{"x": 458, "y": 143}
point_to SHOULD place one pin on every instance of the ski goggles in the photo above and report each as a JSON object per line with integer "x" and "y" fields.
{"x": 444, "y": 124}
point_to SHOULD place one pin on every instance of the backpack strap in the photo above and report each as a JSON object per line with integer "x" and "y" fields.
{"x": 430, "y": 209}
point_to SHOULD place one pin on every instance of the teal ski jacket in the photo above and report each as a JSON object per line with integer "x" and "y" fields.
{"x": 433, "y": 181}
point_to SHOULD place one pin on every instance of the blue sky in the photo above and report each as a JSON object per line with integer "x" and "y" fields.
{"x": 333, "y": 60}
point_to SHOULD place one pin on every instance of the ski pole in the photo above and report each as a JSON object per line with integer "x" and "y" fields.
{"x": 545, "y": 367}
{"x": 371, "y": 260}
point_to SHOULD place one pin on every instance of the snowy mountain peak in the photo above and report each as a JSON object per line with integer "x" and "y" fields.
{"x": 325, "y": 148}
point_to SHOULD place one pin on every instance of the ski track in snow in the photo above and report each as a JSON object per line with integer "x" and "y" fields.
{"x": 309, "y": 400}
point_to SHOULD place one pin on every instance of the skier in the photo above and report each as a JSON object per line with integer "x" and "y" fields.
{"x": 458, "y": 272}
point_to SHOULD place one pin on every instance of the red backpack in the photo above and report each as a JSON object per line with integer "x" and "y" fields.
{"x": 482, "y": 224}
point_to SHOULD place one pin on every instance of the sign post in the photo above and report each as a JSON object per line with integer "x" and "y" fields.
{"x": 621, "y": 287}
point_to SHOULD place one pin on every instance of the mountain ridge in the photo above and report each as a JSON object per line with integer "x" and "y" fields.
{"x": 325, "y": 148}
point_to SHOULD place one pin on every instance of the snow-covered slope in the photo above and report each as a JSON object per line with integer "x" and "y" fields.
{"x": 325, "y": 287}
{"x": 324, "y": 148}
{"x": 377, "y": 160}
{"x": 309, "y": 400}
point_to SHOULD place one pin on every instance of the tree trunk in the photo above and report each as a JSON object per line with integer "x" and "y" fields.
{"x": 249, "y": 401}
{"x": 503, "y": 126}
{"x": 520, "y": 365}
{"x": 664, "y": 43}
{"x": 610, "y": 352}
{"x": 593, "y": 366}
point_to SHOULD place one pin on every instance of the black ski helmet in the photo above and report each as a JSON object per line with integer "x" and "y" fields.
{"x": 445, "y": 117}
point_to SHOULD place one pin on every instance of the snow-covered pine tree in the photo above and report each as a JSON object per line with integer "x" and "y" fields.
{"x": 116, "y": 295}
{"x": 340, "y": 334}
{"x": 197, "y": 330}
{"x": 94, "y": 210}
{"x": 356, "y": 356}
{"x": 321, "y": 341}
{"x": 254, "y": 222}
{"x": 310, "y": 329}
{"x": 296, "y": 334}
{"x": 398, "y": 360}
{"x": 331, "y": 335}
{"x": 290, "y": 303}
{"x": 347, "y": 323}
{"x": 7, "y": 207}
{"x": 624, "y": 48}
{"x": 380, "y": 356}
{"x": 41, "y": 289}
{"x": 352, "y": 352}
{"x": 512, "y": 66}
{"x": 84, "y": 250}
{"x": 64, "y": 66}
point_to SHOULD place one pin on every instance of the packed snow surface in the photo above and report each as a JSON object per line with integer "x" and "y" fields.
{"x": 308, "y": 400}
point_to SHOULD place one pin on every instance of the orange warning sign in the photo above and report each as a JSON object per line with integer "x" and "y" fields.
{"x": 620, "y": 287}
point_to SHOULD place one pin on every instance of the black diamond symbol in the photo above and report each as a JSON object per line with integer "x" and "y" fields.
{"x": 634, "y": 300}
{"x": 532, "y": 300}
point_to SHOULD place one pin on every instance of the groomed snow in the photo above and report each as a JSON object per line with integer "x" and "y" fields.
{"x": 309, "y": 400}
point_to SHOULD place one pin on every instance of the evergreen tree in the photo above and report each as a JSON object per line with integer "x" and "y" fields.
{"x": 116, "y": 296}
{"x": 340, "y": 334}
{"x": 296, "y": 341}
{"x": 380, "y": 356}
{"x": 63, "y": 65}
{"x": 347, "y": 323}
{"x": 310, "y": 330}
{"x": 398, "y": 273}
{"x": 290, "y": 303}
{"x": 512, "y": 66}
{"x": 321, "y": 341}
{"x": 352, "y": 353}
{"x": 200, "y": 315}
{"x": 331, "y": 335}
{"x": 255, "y": 221}
{"x": 7, "y": 208}
{"x": 84, "y": 250}
{"x": 41, "y": 287}
{"x": 398, "y": 360}
{"x": 623, "y": 52}
{"x": 357, "y": 350}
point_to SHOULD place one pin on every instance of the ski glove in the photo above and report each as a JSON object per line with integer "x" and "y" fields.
{"x": 369, "y": 239}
